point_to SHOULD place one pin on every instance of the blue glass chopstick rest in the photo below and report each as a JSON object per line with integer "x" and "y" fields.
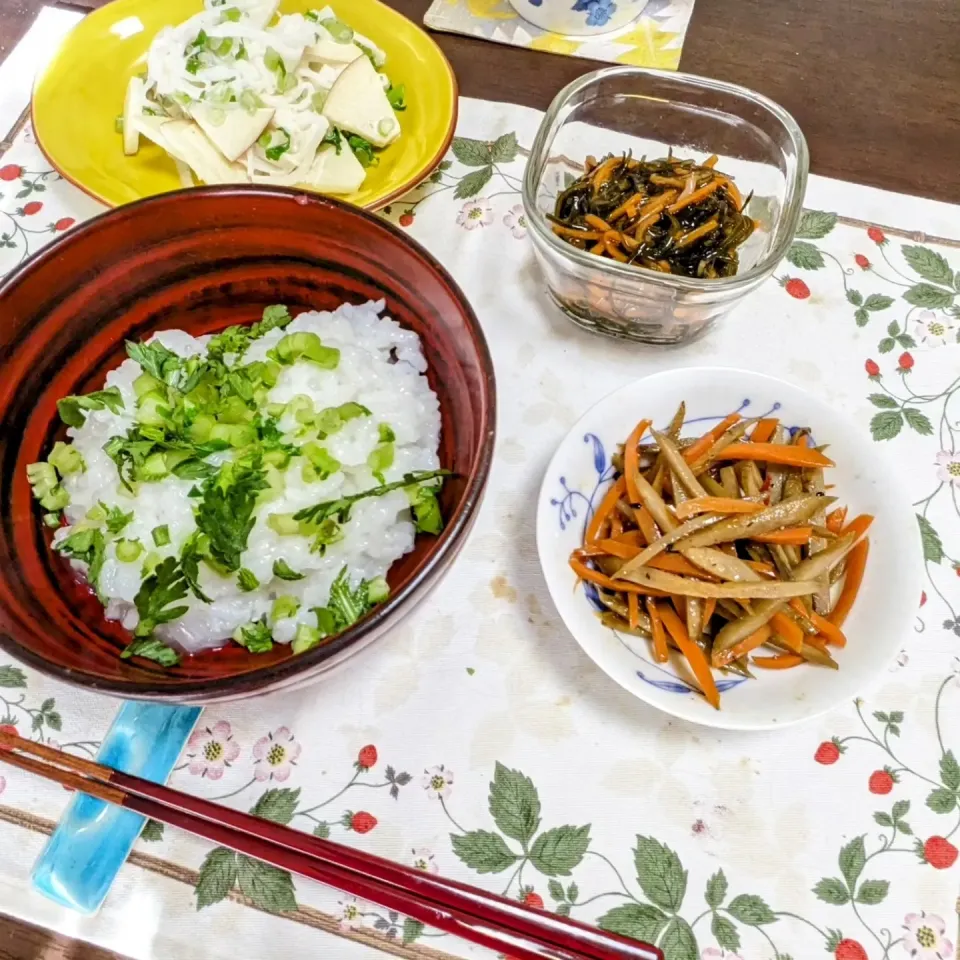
{"x": 93, "y": 839}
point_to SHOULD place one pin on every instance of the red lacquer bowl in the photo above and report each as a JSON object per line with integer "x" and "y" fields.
{"x": 200, "y": 260}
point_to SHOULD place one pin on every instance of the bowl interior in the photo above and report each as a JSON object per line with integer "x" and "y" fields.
{"x": 881, "y": 619}
{"x": 647, "y": 111}
{"x": 201, "y": 260}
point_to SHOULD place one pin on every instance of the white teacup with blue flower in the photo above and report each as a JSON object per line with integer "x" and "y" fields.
{"x": 579, "y": 18}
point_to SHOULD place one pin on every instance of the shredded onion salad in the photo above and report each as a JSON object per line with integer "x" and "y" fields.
{"x": 302, "y": 102}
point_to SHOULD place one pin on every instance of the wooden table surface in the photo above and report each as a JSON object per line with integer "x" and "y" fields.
{"x": 874, "y": 84}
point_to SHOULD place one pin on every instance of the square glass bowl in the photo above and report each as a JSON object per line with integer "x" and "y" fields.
{"x": 648, "y": 111}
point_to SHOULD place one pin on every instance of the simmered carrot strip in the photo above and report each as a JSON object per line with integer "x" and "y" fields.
{"x": 598, "y": 223}
{"x": 674, "y": 563}
{"x": 660, "y": 652}
{"x": 789, "y": 632}
{"x": 791, "y": 536}
{"x": 575, "y": 234}
{"x": 633, "y": 537}
{"x": 696, "y": 196}
{"x": 761, "y": 567}
{"x": 856, "y": 563}
{"x": 629, "y": 207}
{"x": 690, "y": 508}
{"x": 785, "y": 661}
{"x": 696, "y": 659}
{"x": 791, "y": 456}
{"x": 836, "y": 519}
{"x": 616, "y": 524}
{"x": 646, "y": 524}
{"x": 603, "y": 172}
{"x": 633, "y": 611}
{"x": 699, "y": 447}
{"x": 608, "y": 583}
{"x": 608, "y": 547}
{"x": 859, "y": 525}
{"x": 764, "y": 430}
{"x": 631, "y": 460}
{"x": 607, "y": 504}
{"x": 830, "y": 631}
{"x": 756, "y": 639}
{"x": 709, "y": 609}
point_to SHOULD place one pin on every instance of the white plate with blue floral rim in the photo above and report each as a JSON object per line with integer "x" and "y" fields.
{"x": 881, "y": 619}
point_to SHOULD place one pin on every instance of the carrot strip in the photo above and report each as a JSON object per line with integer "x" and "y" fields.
{"x": 859, "y": 525}
{"x": 633, "y": 537}
{"x": 598, "y": 223}
{"x": 607, "y": 504}
{"x": 699, "y": 447}
{"x": 612, "y": 243}
{"x": 836, "y": 519}
{"x": 674, "y": 563}
{"x": 764, "y": 430}
{"x": 696, "y": 659}
{"x": 709, "y": 609}
{"x": 602, "y": 173}
{"x": 792, "y": 536}
{"x": 734, "y": 192}
{"x": 791, "y": 456}
{"x": 608, "y": 583}
{"x": 789, "y": 632}
{"x": 628, "y": 206}
{"x": 783, "y": 662}
{"x": 633, "y": 609}
{"x": 696, "y": 196}
{"x": 660, "y": 652}
{"x": 690, "y": 508}
{"x": 761, "y": 567}
{"x": 830, "y": 631}
{"x": 856, "y": 563}
{"x": 575, "y": 234}
{"x": 711, "y": 161}
{"x": 611, "y": 548}
{"x": 616, "y": 524}
{"x": 645, "y": 523}
{"x": 631, "y": 460}
{"x": 745, "y": 646}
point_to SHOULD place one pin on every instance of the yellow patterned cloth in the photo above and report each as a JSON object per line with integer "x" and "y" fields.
{"x": 655, "y": 40}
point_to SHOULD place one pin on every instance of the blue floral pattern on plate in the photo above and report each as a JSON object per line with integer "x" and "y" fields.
{"x": 568, "y": 507}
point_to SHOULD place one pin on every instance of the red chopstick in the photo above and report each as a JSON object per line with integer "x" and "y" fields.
{"x": 458, "y": 908}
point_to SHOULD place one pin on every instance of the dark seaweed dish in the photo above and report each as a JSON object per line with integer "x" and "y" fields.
{"x": 671, "y": 215}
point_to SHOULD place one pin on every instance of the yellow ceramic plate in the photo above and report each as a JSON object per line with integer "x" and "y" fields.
{"x": 78, "y": 97}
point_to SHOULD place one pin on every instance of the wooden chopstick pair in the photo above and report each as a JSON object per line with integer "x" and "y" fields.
{"x": 483, "y": 918}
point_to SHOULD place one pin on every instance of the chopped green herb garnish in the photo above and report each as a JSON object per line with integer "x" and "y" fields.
{"x": 255, "y": 636}
{"x": 426, "y": 511}
{"x": 340, "y": 509}
{"x": 363, "y": 150}
{"x": 386, "y": 433}
{"x": 71, "y": 408}
{"x": 166, "y": 585}
{"x": 306, "y": 346}
{"x": 397, "y": 97}
{"x": 230, "y": 15}
{"x": 150, "y": 648}
{"x": 128, "y": 551}
{"x": 89, "y": 547}
{"x": 275, "y": 150}
{"x": 381, "y": 460}
{"x": 66, "y": 459}
{"x": 246, "y": 580}
{"x": 225, "y": 514}
{"x": 333, "y": 137}
{"x": 284, "y": 608}
{"x": 282, "y": 570}
{"x": 161, "y": 535}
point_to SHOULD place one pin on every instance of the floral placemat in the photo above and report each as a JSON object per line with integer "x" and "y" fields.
{"x": 476, "y": 740}
{"x": 655, "y": 39}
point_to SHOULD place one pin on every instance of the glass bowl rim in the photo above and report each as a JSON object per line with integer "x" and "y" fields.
{"x": 790, "y": 210}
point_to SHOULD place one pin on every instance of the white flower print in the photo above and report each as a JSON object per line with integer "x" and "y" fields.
{"x": 275, "y": 755}
{"x": 439, "y": 780}
{"x": 423, "y": 860}
{"x": 211, "y": 750}
{"x": 925, "y": 937}
{"x": 516, "y": 220}
{"x": 932, "y": 330}
{"x": 349, "y": 914}
{"x": 949, "y": 466}
{"x": 475, "y": 213}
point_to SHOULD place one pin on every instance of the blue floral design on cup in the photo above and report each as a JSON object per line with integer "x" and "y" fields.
{"x": 598, "y": 12}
